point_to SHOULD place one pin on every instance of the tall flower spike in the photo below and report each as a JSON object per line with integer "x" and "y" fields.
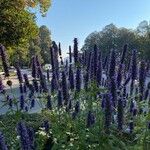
{"x": 52, "y": 58}
{"x": 112, "y": 64}
{"x": 47, "y": 73}
{"x": 108, "y": 112}
{"x": 21, "y": 89}
{"x": 26, "y": 79}
{"x": 3, "y": 145}
{"x": 65, "y": 88}
{"x": 99, "y": 69}
{"x": 60, "y": 55}
{"x": 71, "y": 78}
{"x": 19, "y": 74}
{"x": 119, "y": 75}
{"x": 77, "y": 107}
{"x": 123, "y": 53}
{"x": 60, "y": 99}
{"x": 75, "y": 50}
{"x": 55, "y": 57}
{"x": 95, "y": 60}
{"x": 35, "y": 84}
{"x": 4, "y": 60}
{"x": 134, "y": 65}
{"x": 142, "y": 77}
{"x": 90, "y": 119}
{"x": 70, "y": 55}
{"x": 34, "y": 71}
{"x": 113, "y": 90}
{"x": 1, "y": 85}
{"x": 78, "y": 79}
{"x": 31, "y": 134}
{"x": 22, "y": 102}
{"x": 49, "y": 103}
{"x": 24, "y": 136}
{"x": 120, "y": 114}
{"x": 46, "y": 125}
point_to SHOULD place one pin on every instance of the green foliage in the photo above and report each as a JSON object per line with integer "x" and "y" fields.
{"x": 114, "y": 37}
{"x": 18, "y": 26}
{"x": 45, "y": 43}
{"x": 41, "y": 45}
{"x": 67, "y": 133}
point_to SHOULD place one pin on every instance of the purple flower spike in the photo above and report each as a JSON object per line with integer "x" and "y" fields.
{"x": 108, "y": 112}
{"x": 19, "y": 74}
{"x": 32, "y": 103}
{"x": 3, "y": 145}
{"x": 77, "y": 107}
{"x": 35, "y": 84}
{"x": 78, "y": 79}
{"x": 34, "y": 66}
{"x": 131, "y": 127}
{"x": 22, "y": 102}
{"x": 60, "y": 99}
{"x": 65, "y": 88}
{"x": 112, "y": 64}
{"x": 1, "y": 85}
{"x": 75, "y": 50}
{"x": 90, "y": 119}
{"x": 71, "y": 78}
{"x": 24, "y": 136}
{"x": 46, "y": 125}
{"x": 120, "y": 114}
{"x": 49, "y": 103}
{"x": 142, "y": 76}
{"x": 26, "y": 80}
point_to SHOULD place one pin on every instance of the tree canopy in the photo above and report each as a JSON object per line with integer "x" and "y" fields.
{"x": 18, "y": 25}
{"x": 113, "y": 37}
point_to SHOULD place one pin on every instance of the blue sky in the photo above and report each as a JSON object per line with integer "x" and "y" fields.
{"x": 67, "y": 19}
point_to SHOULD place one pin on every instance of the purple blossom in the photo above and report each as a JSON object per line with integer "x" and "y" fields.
{"x": 75, "y": 50}
{"x": 120, "y": 114}
{"x": 46, "y": 125}
{"x": 99, "y": 69}
{"x": 21, "y": 88}
{"x": 90, "y": 119}
{"x": 22, "y": 102}
{"x": 49, "y": 103}
{"x": 3, "y": 145}
{"x": 26, "y": 80}
{"x": 32, "y": 103}
{"x": 108, "y": 112}
{"x": 48, "y": 75}
{"x": 78, "y": 79}
{"x": 131, "y": 126}
{"x": 142, "y": 76}
{"x": 65, "y": 88}
{"x": 24, "y": 136}
{"x": 71, "y": 78}
{"x": 77, "y": 107}
{"x": 70, "y": 55}
{"x": 19, "y": 74}
{"x": 35, "y": 84}
{"x": 60, "y": 99}
{"x": 112, "y": 64}
{"x": 1, "y": 85}
{"x": 95, "y": 59}
{"x": 34, "y": 67}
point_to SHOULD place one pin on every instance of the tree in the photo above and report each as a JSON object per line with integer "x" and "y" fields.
{"x": 18, "y": 25}
{"x": 111, "y": 37}
{"x": 45, "y": 42}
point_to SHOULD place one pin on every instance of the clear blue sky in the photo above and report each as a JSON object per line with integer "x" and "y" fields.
{"x": 77, "y": 18}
